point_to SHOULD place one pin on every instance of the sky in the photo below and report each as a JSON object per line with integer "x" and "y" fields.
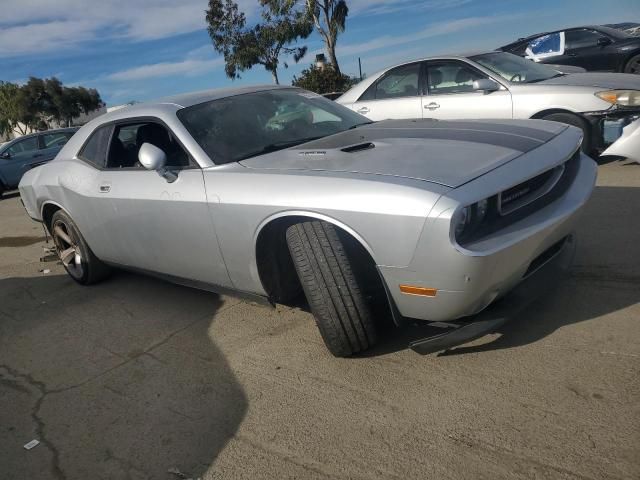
{"x": 137, "y": 50}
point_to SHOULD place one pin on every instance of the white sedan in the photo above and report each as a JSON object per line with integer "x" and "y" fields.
{"x": 606, "y": 106}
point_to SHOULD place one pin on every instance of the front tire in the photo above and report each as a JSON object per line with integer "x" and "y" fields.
{"x": 74, "y": 253}
{"x": 576, "y": 121}
{"x": 633, "y": 65}
{"x": 341, "y": 311}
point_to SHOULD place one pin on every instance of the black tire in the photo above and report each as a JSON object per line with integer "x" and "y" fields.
{"x": 633, "y": 65}
{"x": 576, "y": 121}
{"x": 342, "y": 314}
{"x": 84, "y": 267}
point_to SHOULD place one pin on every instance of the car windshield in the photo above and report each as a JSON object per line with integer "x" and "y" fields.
{"x": 514, "y": 68}
{"x": 242, "y": 126}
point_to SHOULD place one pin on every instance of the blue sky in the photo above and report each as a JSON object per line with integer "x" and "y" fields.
{"x": 144, "y": 49}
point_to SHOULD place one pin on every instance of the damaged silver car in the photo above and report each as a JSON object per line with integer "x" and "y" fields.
{"x": 271, "y": 192}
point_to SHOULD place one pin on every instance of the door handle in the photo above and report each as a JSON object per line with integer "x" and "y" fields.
{"x": 363, "y": 110}
{"x": 432, "y": 106}
{"x": 105, "y": 188}
{"x": 36, "y": 155}
{"x": 572, "y": 54}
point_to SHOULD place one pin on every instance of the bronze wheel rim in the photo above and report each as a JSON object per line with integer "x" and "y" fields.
{"x": 68, "y": 249}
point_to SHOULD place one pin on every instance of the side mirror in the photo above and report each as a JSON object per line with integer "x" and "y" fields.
{"x": 151, "y": 157}
{"x": 485, "y": 85}
{"x": 5, "y": 155}
{"x": 603, "y": 41}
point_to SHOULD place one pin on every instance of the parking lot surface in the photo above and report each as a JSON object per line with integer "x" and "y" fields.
{"x": 135, "y": 378}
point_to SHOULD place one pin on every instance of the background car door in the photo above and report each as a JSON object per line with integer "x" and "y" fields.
{"x": 21, "y": 156}
{"x": 450, "y": 94}
{"x": 148, "y": 222}
{"x": 395, "y": 95}
{"x": 590, "y": 50}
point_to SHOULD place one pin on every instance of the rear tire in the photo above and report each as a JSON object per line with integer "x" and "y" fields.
{"x": 576, "y": 121}
{"x": 633, "y": 65}
{"x": 74, "y": 253}
{"x": 341, "y": 311}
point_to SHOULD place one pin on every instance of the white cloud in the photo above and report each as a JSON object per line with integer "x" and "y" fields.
{"x": 433, "y": 30}
{"x": 31, "y": 26}
{"x": 166, "y": 69}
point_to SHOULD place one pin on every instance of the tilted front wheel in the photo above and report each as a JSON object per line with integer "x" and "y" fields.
{"x": 74, "y": 253}
{"x": 633, "y": 65}
{"x": 331, "y": 287}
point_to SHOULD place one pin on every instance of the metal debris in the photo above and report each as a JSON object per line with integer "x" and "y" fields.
{"x": 31, "y": 444}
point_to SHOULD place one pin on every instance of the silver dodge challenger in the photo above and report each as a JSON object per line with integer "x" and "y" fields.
{"x": 275, "y": 192}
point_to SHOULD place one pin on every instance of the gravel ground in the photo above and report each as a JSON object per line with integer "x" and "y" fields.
{"x": 135, "y": 377}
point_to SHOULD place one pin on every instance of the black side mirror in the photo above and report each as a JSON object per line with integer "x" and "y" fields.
{"x": 5, "y": 155}
{"x": 603, "y": 41}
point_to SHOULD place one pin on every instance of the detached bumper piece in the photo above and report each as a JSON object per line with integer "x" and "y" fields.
{"x": 541, "y": 276}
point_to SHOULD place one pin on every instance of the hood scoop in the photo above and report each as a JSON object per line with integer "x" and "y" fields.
{"x": 358, "y": 147}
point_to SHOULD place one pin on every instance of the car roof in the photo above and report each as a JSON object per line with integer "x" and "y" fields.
{"x": 33, "y": 134}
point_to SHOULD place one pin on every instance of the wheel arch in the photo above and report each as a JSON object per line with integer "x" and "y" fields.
{"x": 47, "y": 211}
{"x": 274, "y": 267}
{"x": 549, "y": 111}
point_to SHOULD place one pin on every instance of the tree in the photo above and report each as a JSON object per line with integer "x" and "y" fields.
{"x": 39, "y": 102}
{"x": 323, "y": 80}
{"x": 263, "y": 44}
{"x": 329, "y": 17}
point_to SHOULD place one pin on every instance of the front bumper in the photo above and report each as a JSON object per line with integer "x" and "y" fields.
{"x": 538, "y": 283}
{"x": 469, "y": 280}
{"x": 617, "y": 132}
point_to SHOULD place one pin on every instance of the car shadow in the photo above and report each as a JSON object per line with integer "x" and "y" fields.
{"x": 122, "y": 377}
{"x": 603, "y": 279}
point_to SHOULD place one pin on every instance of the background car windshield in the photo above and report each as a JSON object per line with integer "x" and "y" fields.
{"x": 513, "y": 68}
{"x": 241, "y": 126}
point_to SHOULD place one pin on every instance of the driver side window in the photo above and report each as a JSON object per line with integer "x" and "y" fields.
{"x": 24, "y": 146}
{"x": 128, "y": 138}
{"x": 451, "y": 77}
{"x": 400, "y": 82}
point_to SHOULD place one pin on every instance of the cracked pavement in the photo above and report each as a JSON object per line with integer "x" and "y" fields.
{"x": 132, "y": 377}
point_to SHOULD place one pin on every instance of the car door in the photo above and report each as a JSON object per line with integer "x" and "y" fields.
{"x": 590, "y": 50}
{"x": 18, "y": 158}
{"x": 450, "y": 93}
{"x": 395, "y": 95}
{"x": 152, "y": 222}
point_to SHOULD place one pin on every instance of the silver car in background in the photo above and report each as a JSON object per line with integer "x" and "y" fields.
{"x": 605, "y": 106}
{"x": 268, "y": 192}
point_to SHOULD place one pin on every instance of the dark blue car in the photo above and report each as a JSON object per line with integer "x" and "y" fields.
{"x": 25, "y": 153}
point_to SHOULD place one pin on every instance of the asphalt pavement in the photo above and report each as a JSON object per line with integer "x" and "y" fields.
{"x": 136, "y": 378}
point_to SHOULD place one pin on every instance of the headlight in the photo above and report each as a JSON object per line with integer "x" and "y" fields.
{"x": 467, "y": 219}
{"x": 625, "y": 98}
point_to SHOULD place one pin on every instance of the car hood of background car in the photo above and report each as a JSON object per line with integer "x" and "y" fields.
{"x": 618, "y": 81}
{"x": 449, "y": 153}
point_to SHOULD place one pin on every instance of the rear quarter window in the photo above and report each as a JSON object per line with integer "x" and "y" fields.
{"x": 94, "y": 150}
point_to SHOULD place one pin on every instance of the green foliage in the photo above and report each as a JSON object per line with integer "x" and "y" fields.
{"x": 263, "y": 44}
{"x": 329, "y": 18}
{"x": 325, "y": 80}
{"x": 39, "y": 102}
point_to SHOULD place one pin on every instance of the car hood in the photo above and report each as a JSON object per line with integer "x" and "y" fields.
{"x": 599, "y": 80}
{"x": 449, "y": 153}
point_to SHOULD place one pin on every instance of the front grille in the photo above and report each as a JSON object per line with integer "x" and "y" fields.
{"x": 528, "y": 191}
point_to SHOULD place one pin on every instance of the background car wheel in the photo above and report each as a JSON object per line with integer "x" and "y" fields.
{"x": 633, "y": 65}
{"x": 576, "y": 121}
{"x": 336, "y": 300}
{"x": 74, "y": 253}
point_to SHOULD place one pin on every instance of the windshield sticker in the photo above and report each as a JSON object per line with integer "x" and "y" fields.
{"x": 550, "y": 45}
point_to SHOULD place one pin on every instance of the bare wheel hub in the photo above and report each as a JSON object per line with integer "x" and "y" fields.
{"x": 67, "y": 248}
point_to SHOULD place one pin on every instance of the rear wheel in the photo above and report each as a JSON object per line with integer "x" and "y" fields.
{"x": 576, "y": 121}
{"x": 74, "y": 253}
{"x": 633, "y": 65}
{"x": 341, "y": 311}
